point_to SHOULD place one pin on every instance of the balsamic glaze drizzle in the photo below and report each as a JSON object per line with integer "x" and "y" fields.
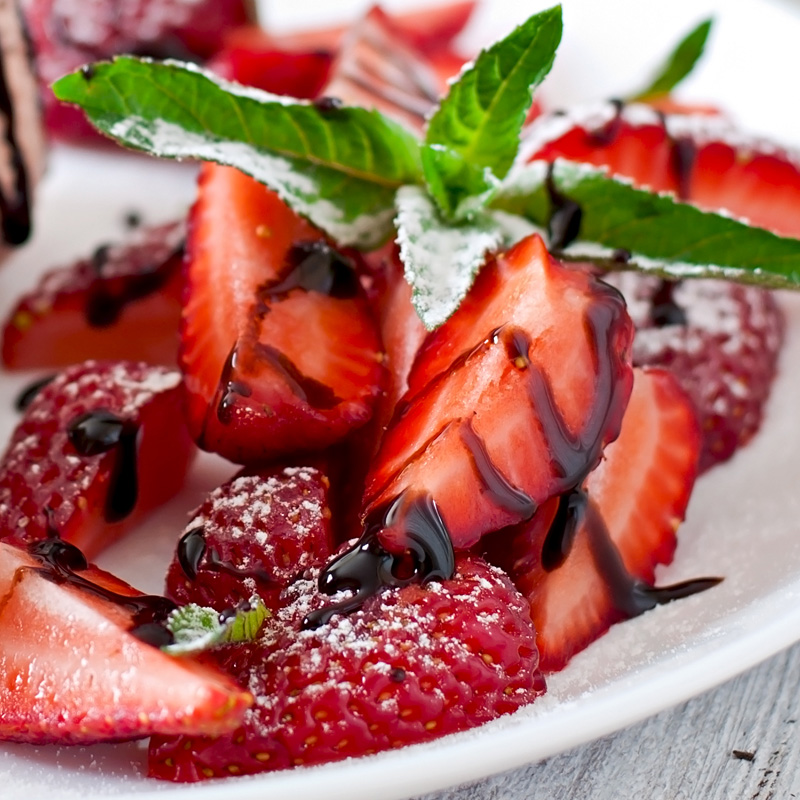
{"x": 29, "y": 393}
{"x": 368, "y": 567}
{"x": 566, "y": 215}
{"x": 62, "y": 563}
{"x": 100, "y": 431}
{"x": 193, "y": 548}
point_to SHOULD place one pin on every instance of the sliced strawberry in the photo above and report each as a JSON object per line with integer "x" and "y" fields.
{"x": 414, "y": 664}
{"x": 252, "y": 57}
{"x": 97, "y": 449}
{"x": 73, "y": 669}
{"x": 701, "y": 159}
{"x": 257, "y": 533}
{"x": 492, "y": 426}
{"x": 428, "y": 30}
{"x": 587, "y": 560}
{"x": 66, "y": 34}
{"x": 121, "y": 303}
{"x": 279, "y": 349}
{"x": 378, "y": 67}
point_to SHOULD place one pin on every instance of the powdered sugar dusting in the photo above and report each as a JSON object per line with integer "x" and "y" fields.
{"x": 440, "y": 261}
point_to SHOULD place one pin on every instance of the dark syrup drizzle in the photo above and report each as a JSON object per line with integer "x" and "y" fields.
{"x": 100, "y": 431}
{"x": 193, "y": 548}
{"x": 61, "y": 562}
{"x": 630, "y": 596}
{"x": 607, "y": 134}
{"x": 665, "y": 310}
{"x": 327, "y": 104}
{"x": 313, "y": 266}
{"x": 564, "y": 224}
{"x": 368, "y": 567}
{"x": 309, "y": 266}
{"x": 14, "y": 205}
{"x": 108, "y": 297}
{"x": 29, "y": 393}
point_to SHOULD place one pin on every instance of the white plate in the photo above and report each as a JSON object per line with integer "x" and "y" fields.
{"x": 742, "y": 523}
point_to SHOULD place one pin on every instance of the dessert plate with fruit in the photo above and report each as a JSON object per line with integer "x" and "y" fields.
{"x": 518, "y": 587}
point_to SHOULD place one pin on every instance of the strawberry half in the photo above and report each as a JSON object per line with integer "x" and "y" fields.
{"x": 700, "y": 158}
{"x": 97, "y": 449}
{"x": 587, "y": 560}
{"x": 491, "y": 425}
{"x": 123, "y": 302}
{"x": 279, "y": 350}
{"x": 73, "y": 669}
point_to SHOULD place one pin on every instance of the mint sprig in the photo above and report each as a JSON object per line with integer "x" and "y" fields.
{"x": 451, "y": 197}
{"x": 340, "y": 167}
{"x": 198, "y": 628}
{"x": 629, "y": 228}
{"x": 481, "y": 117}
{"x": 680, "y": 62}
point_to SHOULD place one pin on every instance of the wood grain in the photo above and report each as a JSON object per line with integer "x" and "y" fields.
{"x": 686, "y": 753}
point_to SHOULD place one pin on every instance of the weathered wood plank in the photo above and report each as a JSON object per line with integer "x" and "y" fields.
{"x": 685, "y": 753}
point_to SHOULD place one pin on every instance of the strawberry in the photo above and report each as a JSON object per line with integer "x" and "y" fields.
{"x": 491, "y": 426}
{"x": 74, "y": 668}
{"x": 253, "y": 535}
{"x": 413, "y": 664}
{"x": 378, "y": 67}
{"x": 66, "y": 34}
{"x": 429, "y": 30}
{"x": 123, "y": 302}
{"x": 96, "y": 450}
{"x": 278, "y": 347}
{"x": 720, "y": 340}
{"x": 700, "y": 158}
{"x": 587, "y": 559}
{"x": 251, "y": 57}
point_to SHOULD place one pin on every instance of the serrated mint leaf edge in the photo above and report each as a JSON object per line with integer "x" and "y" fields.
{"x": 530, "y": 180}
{"x": 500, "y": 161}
{"x": 440, "y": 260}
{"x": 303, "y": 181}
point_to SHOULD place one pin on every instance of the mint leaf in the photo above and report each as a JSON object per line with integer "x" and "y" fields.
{"x": 678, "y": 65}
{"x": 459, "y": 188}
{"x": 482, "y": 115}
{"x": 440, "y": 259}
{"x": 198, "y": 628}
{"x": 339, "y": 167}
{"x": 630, "y": 228}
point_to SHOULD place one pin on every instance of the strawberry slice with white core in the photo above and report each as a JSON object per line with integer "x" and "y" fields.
{"x": 72, "y": 670}
{"x": 587, "y": 560}
{"x": 97, "y": 449}
{"x": 493, "y": 424}
{"x": 278, "y": 347}
{"x": 701, "y": 159}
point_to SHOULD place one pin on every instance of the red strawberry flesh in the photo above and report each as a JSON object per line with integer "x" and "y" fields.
{"x": 271, "y": 365}
{"x": 121, "y": 303}
{"x": 412, "y": 665}
{"x": 492, "y": 426}
{"x": 72, "y": 671}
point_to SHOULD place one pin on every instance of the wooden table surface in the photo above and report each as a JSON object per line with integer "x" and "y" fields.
{"x": 737, "y": 742}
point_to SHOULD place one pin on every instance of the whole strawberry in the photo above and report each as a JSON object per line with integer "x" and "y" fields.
{"x": 411, "y": 665}
{"x": 254, "y": 534}
{"x": 720, "y": 339}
